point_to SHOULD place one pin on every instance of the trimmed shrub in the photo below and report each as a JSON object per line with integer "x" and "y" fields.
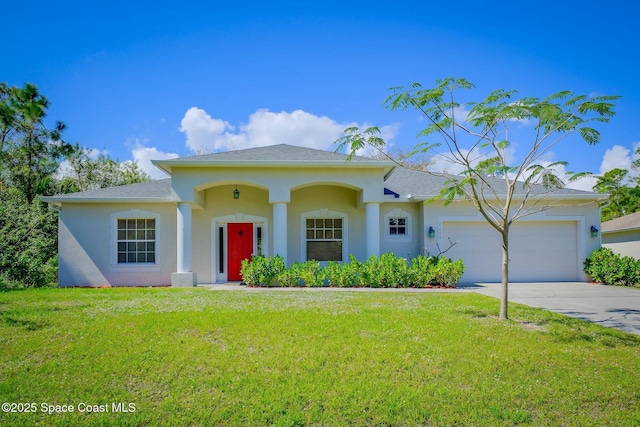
{"x": 609, "y": 268}
{"x": 447, "y": 272}
{"x": 421, "y": 271}
{"x": 386, "y": 271}
{"x": 308, "y": 273}
{"x": 262, "y": 271}
{"x": 344, "y": 274}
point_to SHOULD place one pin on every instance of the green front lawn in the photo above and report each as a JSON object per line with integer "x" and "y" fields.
{"x": 201, "y": 357}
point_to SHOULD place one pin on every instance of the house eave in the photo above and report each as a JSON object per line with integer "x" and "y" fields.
{"x": 620, "y": 230}
{"x": 59, "y": 200}
{"x": 168, "y": 165}
{"x": 587, "y": 197}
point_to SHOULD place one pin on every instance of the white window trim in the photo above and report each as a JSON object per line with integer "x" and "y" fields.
{"x": 324, "y": 213}
{"x": 398, "y": 213}
{"x": 222, "y": 221}
{"x": 113, "y": 241}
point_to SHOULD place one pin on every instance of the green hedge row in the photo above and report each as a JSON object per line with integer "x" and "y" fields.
{"x": 609, "y": 268}
{"x": 386, "y": 271}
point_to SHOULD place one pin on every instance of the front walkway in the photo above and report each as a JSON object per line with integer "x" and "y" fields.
{"x": 611, "y": 306}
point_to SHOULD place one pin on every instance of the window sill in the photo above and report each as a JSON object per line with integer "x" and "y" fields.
{"x": 398, "y": 238}
{"x": 136, "y": 267}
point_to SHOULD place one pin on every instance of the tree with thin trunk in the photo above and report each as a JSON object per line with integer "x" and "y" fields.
{"x": 30, "y": 152}
{"x": 476, "y": 138}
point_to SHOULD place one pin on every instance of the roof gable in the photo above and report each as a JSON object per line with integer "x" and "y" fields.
{"x": 281, "y": 155}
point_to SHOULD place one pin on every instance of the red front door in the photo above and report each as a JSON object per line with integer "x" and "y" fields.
{"x": 240, "y": 246}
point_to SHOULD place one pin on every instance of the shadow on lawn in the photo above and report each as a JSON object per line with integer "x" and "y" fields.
{"x": 29, "y": 325}
{"x": 566, "y": 327}
{"x": 572, "y": 327}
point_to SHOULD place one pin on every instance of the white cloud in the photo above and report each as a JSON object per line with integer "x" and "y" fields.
{"x": 619, "y": 157}
{"x": 460, "y": 114}
{"x": 200, "y": 127}
{"x": 143, "y": 155}
{"x": 584, "y": 184}
{"x": 207, "y": 134}
{"x": 616, "y": 157}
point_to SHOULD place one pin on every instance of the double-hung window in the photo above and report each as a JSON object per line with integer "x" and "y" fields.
{"x": 136, "y": 241}
{"x": 324, "y": 239}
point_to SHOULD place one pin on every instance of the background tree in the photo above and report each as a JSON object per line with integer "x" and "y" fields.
{"x": 623, "y": 199}
{"x": 84, "y": 173}
{"x": 476, "y": 137}
{"x": 28, "y": 241}
{"x": 29, "y": 151}
{"x": 30, "y": 156}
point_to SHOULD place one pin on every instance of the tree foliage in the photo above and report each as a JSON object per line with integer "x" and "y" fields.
{"x": 477, "y": 136}
{"x": 28, "y": 241}
{"x": 624, "y": 198}
{"x": 405, "y": 158}
{"x": 85, "y": 172}
{"x": 30, "y": 153}
{"x": 30, "y": 157}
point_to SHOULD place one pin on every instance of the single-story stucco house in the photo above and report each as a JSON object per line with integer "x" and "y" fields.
{"x": 299, "y": 203}
{"x": 622, "y": 235}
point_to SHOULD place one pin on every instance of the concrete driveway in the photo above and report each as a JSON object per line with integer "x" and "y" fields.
{"x": 614, "y": 307}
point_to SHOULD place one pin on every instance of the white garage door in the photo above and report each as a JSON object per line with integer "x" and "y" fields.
{"x": 539, "y": 250}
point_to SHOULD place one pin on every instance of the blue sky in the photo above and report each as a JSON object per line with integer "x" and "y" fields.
{"x": 146, "y": 80}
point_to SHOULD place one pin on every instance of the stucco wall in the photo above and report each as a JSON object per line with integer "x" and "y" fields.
{"x": 86, "y": 244}
{"x": 188, "y": 183}
{"x": 329, "y": 197}
{"x": 584, "y": 214}
{"x": 403, "y": 246}
{"x": 626, "y": 243}
{"x": 219, "y": 202}
{"x": 254, "y": 202}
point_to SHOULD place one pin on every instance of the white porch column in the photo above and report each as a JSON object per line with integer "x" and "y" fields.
{"x": 280, "y": 230}
{"x": 184, "y": 276}
{"x": 184, "y": 237}
{"x": 372, "y": 224}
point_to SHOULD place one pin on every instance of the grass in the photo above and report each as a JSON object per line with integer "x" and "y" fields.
{"x": 200, "y": 357}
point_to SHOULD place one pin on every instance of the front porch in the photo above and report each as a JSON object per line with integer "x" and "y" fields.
{"x": 215, "y": 236}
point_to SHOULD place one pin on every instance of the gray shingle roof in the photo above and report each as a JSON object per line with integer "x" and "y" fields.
{"x": 407, "y": 182}
{"x": 280, "y": 152}
{"x": 145, "y": 191}
{"x": 422, "y": 185}
{"x": 402, "y": 181}
{"x": 627, "y": 222}
{"x": 274, "y": 155}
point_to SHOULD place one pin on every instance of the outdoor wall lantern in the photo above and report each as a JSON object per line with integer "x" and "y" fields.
{"x": 594, "y": 231}
{"x": 432, "y": 233}
{"x": 236, "y": 193}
